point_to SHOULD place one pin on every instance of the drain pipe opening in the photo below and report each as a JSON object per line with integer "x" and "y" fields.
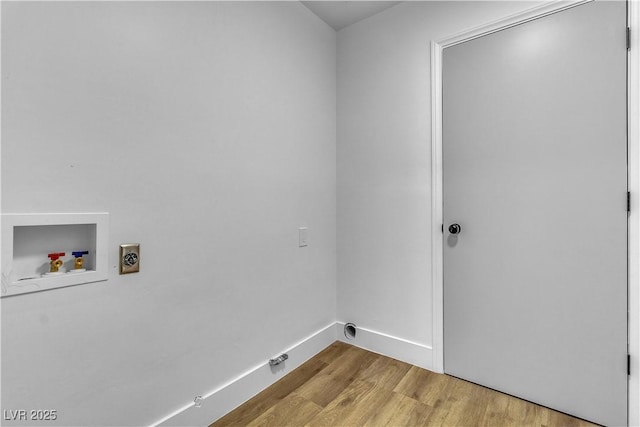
{"x": 350, "y": 331}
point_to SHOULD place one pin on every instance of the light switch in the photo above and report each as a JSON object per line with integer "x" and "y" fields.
{"x": 303, "y": 237}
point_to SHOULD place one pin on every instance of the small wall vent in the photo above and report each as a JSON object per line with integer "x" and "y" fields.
{"x": 350, "y": 331}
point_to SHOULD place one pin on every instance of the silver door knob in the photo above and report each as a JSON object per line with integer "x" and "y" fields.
{"x": 455, "y": 228}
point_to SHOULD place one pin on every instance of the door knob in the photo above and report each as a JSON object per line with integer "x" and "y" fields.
{"x": 455, "y": 228}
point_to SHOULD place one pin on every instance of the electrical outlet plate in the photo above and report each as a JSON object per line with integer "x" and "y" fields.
{"x": 129, "y": 258}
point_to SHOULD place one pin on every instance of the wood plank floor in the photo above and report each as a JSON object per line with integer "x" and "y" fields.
{"x": 347, "y": 386}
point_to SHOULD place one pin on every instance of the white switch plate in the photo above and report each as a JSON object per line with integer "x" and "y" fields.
{"x": 303, "y": 237}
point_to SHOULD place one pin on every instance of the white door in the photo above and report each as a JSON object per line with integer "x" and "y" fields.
{"x": 535, "y": 176}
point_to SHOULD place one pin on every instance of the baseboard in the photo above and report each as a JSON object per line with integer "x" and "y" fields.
{"x": 232, "y": 394}
{"x": 229, "y": 396}
{"x": 398, "y": 348}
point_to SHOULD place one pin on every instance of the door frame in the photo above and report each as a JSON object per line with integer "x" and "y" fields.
{"x": 633, "y": 120}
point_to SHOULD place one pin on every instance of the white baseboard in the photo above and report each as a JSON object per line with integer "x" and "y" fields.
{"x": 232, "y": 394}
{"x": 397, "y": 348}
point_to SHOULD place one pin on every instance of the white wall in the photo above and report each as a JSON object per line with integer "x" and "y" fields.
{"x": 207, "y": 131}
{"x": 384, "y": 164}
{"x": 224, "y": 115}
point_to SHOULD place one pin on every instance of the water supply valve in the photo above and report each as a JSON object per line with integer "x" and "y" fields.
{"x": 55, "y": 262}
{"x": 79, "y": 262}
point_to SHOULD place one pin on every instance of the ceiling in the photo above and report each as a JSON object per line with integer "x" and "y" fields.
{"x": 339, "y": 14}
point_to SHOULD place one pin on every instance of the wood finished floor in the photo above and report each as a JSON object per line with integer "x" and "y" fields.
{"x": 347, "y": 386}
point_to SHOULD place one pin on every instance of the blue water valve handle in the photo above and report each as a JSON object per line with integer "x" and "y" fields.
{"x": 79, "y": 262}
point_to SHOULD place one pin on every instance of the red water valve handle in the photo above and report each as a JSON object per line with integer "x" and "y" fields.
{"x": 55, "y": 255}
